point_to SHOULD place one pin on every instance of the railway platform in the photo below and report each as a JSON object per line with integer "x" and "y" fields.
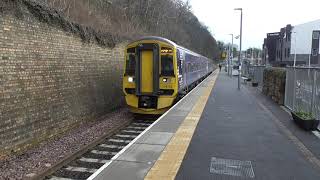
{"x": 219, "y": 132}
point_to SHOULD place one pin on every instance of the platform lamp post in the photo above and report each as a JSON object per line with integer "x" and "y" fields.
{"x": 231, "y": 56}
{"x": 295, "y": 49}
{"x": 239, "y": 58}
{"x": 294, "y": 70}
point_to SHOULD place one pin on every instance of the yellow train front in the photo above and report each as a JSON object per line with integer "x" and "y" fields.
{"x": 152, "y": 75}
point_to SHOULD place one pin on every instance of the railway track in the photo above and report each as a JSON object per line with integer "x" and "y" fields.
{"x": 91, "y": 159}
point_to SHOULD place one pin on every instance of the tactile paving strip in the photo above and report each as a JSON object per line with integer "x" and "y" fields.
{"x": 231, "y": 167}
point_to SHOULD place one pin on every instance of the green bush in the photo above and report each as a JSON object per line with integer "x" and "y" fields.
{"x": 274, "y": 80}
{"x": 305, "y": 115}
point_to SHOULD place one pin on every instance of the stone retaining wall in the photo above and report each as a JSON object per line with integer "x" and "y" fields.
{"x": 51, "y": 80}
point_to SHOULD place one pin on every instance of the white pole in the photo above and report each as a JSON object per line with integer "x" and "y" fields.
{"x": 252, "y": 55}
{"x": 228, "y": 60}
{"x": 240, "y": 51}
{"x": 309, "y": 60}
{"x": 239, "y": 58}
{"x": 230, "y": 57}
{"x": 231, "y": 66}
{"x": 295, "y": 49}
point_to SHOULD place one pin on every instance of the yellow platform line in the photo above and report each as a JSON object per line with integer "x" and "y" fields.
{"x": 169, "y": 162}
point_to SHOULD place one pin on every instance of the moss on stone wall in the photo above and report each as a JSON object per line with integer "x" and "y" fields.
{"x": 55, "y": 19}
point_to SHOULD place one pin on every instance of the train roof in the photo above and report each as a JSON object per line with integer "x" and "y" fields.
{"x": 169, "y": 42}
{"x": 158, "y": 39}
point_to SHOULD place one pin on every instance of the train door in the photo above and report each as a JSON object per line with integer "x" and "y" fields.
{"x": 180, "y": 69}
{"x": 146, "y": 71}
{"x": 147, "y": 81}
{"x": 186, "y": 71}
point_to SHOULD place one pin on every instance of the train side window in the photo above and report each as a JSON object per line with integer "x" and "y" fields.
{"x": 167, "y": 65}
{"x": 131, "y": 65}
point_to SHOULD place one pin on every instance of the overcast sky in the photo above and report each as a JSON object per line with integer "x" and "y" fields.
{"x": 259, "y": 17}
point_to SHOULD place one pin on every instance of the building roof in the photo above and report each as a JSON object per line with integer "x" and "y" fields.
{"x": 310, "y": 22}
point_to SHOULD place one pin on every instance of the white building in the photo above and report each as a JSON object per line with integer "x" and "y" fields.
{"x": 305, "y": 42}
{"x": 299, "y": 42}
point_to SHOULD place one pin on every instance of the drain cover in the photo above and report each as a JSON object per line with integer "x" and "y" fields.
{"x": 231, "y": 167}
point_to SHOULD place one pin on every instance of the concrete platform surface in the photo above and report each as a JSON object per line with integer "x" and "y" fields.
{"x": 242, "y": 135}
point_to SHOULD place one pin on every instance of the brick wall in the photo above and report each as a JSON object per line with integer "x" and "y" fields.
{"x": 50, "y": 81}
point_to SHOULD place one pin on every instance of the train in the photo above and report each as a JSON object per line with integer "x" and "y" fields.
{"x": 157, "y": 72}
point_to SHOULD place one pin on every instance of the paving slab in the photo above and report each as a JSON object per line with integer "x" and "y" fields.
{"x": 147, "y": 153}
{"x": 155, "y": 138}
{"x": 123, "y": 170}
{"x": 168, "y": 124}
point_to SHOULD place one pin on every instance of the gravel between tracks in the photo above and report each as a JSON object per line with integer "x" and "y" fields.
{"x": 50, "y": 152}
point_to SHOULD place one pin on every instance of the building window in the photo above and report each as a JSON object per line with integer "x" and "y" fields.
{"x": 315, "y": 52}
{"x": 288, "y": 52}
{"x": 315, "y": 35}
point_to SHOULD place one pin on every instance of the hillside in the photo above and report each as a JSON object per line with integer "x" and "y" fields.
{"x": 129, "y": 19}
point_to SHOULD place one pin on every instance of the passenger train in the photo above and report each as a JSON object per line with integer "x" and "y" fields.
{"x": 158, "y": 71}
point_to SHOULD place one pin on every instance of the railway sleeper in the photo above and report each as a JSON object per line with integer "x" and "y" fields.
{"x": 136, "y": 127}
{"x": 103, "y": 152}
{"x": 141, "y": 124}
{"x": 124, "y": 137}
{"x": 120, "y": 140}
{"x": 60, "y": 178}
{"x": 89, "y": 165}
{"x": 113, "y": 147}
{"x": 97, "y": 156}
{"x": 92, "y": 160}
{"x": 64, "y": 173}
{"x": 116, "y": 143}
{"x": 131, "y": 131}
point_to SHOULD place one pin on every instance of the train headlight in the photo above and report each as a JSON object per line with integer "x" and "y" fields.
{"x": 130, "y": 79}
{"x": 166, "y": 80}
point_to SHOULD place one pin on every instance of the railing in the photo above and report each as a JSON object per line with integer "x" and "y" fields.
{"x": 254, "y": 72}
{"x": 303, "y": 90}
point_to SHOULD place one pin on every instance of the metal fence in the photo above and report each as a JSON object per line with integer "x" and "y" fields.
{"x": 258, "y": 75}
{"x": 253, "y": 72}
{"x": 303, "y": 90}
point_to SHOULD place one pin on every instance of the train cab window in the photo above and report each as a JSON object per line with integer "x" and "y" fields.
{"x": 167, "y": 65}
{"x": 131, "y": 65}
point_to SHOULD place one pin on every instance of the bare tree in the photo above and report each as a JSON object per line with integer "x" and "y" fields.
{"x": 172, "y": 19}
